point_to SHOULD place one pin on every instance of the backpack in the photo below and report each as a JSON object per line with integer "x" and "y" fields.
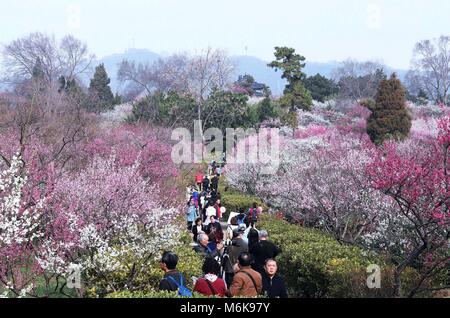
{"x": 183, "y": 291}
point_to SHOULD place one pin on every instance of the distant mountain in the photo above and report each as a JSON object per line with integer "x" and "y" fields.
{"x": 245, "y": 65}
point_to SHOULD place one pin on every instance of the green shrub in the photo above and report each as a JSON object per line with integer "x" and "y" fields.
{"x": 316, "y": 265}
{"x": 160, "y": 294}
{"x": 234, "y": 200}
{"x": 147, "y": 279}
{"x": 150, "y": 294}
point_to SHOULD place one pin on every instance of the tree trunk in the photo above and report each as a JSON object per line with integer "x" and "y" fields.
{"x": 398, "y": 283}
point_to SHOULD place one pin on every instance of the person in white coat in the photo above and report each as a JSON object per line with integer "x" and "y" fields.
{"x": 210, "y": 211}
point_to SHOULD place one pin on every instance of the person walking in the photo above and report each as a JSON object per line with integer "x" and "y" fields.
{"x": 210, "y": 284}
{"x": 273, "y": 284}
{"x": 199, "y": 180}
{"x": 238, "y": 246}
{"x": 215, "y": 184}
{"x": 172, "y": 277}
{"x": 210, "y": 212}
{"x": 263, "y": 250}
{"x": 191, "y": 214}
{"x": 214, "y": 225}
{"x": 203, "y": 249}
{"x": 205, "y": 183}
{"x": 219, "y": 171}
{"x": 198, "y": 228}
{"x": 246, "y": 282}
{"x": 253, "y": 214}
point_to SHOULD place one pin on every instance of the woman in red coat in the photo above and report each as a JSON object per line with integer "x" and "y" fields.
{"x": 199, "y": 180}
{"x": 211, "y": 284}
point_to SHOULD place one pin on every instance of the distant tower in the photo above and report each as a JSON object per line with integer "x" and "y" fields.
{"x": 246, "y": 51}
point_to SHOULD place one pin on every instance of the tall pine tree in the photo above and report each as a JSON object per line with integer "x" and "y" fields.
{"x": 100, "y": 91}
{"x": 390, "y": 118}
{"x": 296, "y": 96}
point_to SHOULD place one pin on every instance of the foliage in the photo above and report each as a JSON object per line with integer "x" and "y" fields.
{"x": 296, "y": 96}
{"x": 151, "y": 294}
{"x": 147, "y": 280}
{"x": 389, "y": 118}
{"x": 100, "y": 91}
{"x": 309, "y": 183}
{"x": 171, "y": 109}
{"x": 321, "y": 87}
{"x": 416, "y": 177}
{"x": 315, "y": 265}
{"x": 266, "y": 110}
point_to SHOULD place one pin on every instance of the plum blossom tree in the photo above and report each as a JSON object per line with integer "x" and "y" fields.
{"x": 417, "y": 178}
{"x": 110, "y": 220}
{"x": 19, "y": 229}
{"x": 104, "y": 220}
{"x": 326, "y": 186}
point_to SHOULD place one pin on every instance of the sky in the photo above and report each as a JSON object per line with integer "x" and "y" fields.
{"x": 321, "y": 30}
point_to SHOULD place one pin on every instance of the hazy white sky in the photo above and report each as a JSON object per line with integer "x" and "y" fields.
{"x": 321, "y": 30}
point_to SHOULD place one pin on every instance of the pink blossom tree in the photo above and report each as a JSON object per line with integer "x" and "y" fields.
{"x": 417, "y": 178}
{"x": 326, "y": 186}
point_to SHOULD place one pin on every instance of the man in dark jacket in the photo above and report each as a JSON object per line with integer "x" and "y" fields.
{"x": 215, "y": 183}
{"x": 238, "y": 246}
{"x": 203, "y": 249}
{"x": 262, "y": 251}
{"x": 214, "y": 225}
{"x": 273, "y": 284}
{"x": 168, "y": 264}
{"x": 246, "y": 282}
{"x": 205, "y": 183}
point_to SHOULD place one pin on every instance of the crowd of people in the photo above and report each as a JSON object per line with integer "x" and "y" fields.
{"x": 238, "y": 260}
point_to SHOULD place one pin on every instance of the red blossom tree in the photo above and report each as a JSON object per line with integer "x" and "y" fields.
{"x": 418, "y": 179}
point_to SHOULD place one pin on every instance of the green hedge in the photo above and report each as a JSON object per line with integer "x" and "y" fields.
{"x": 162, "y": 294}
{"x": 150, "y": 294}
{"x": 316, "y": 265}
{"x": 189, "y": 263}
{"x": 147, "y": 280}
{"x": 235, "y": 201}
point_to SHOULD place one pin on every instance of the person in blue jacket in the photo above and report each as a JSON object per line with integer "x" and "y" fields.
{"x": 191, "y": 214}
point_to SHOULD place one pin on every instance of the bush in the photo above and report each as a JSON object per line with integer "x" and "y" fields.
{"x": 190, "y": 264}
{"x": 160, "y": 294}
{"x": 390, "y": 118}
{"x": 233, "y": 200}
{"x": 316, "y": 265}
{"x": 150, "y": 294}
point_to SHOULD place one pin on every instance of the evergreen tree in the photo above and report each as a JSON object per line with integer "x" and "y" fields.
{"x": 118, "y": 99}
{"x": 295, "y": 95}
{"x": 298, "y": 98}
{"x": 266, "y": 110}
{"x": 321, "y": 87}
{"x": 422, "y": 97}
{"x": 100, "y": 91}
{"x": 390, "y": 118}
